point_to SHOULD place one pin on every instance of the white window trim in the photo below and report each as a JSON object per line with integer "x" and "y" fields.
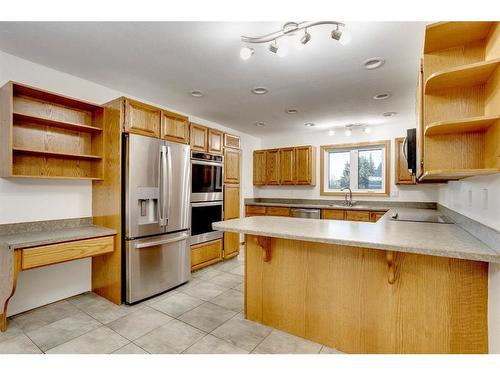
{"x": 354, "y": 150}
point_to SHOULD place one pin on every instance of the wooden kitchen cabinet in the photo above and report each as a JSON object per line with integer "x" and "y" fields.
{"x": 259, "y": 167}
{"x": 357, "y": 215}
{"x": 198, "y": 137}
{"x": 332, "y": 214}
{"x": 215, "y": 141}
{"x": 305, "y": 165}
{"x": 206, "y": 253}
{"x": 255, "y": 211}
{"x": 231, "y": 166}
{"x": 287, "y": 166}
{"x": 175, "y": 127}
{"x": 375, "y": 215}
{"x": 141, "y": 118}
{"x": 231, "y": 202}
{"x": 401, "y": 174}
{"x": 232, "y": 141}
{"x": 278, "y": 211}
{"x": 273, "y": 167}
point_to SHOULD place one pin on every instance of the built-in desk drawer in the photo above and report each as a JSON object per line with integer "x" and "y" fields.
{"x": 65, "y": 251}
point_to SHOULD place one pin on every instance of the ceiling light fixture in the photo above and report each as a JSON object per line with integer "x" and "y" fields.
{"x": 259, "y": 90}
{"x": 340, "y": 33}
{"x": 367, "y": 130}
{"x": 373, "y": 63}
{"x": 348, "y": 132}
{"x": 291, "y": 111}
{"x": 306, "y": 38}
{"x": 260, "y": 124}
{"x": 309, "y": 124}
{"x": 197, "y": 93}
{"x": 331, "y": 133}
{"x": 246, "y": 52}
{"x": 382, "y": 95}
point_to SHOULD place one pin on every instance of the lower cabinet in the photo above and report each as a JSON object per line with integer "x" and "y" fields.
{"x": 357, "y": 215}
{"x": 206, "y": 253}
{"x": 231, "y": 244}
{"x": 333, "y": 214}
{"x": 375, "y": 215}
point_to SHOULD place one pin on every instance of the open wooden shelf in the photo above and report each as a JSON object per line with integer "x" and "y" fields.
{"x": 462, "y": 76}
{"x": 57, "y": 177}
{"x": 456, "y": 174}
{"x": 22, "y": 119}
{"x": 466, "y": 125}
{"x": 55, "y": 154}
{"x": 47, "y": 135}
{"x": 443, "y": 35}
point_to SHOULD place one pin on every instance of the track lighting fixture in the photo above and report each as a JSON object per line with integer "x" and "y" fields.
{"x": 289, "y": 29}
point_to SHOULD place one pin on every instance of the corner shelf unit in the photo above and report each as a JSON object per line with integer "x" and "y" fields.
{"x": 47, "y": 135}
{"x": 460, "y": 125}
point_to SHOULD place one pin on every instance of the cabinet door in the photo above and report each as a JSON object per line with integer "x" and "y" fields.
{"x": 231, "y": 244}
{"x": 401, "y": 174}
{"x": 375, "y": 215}
{"x": 332, "y": 214}
{"x": 175, "y": 127}
{"x": 278, "y": 211}
{"x": 259, "y": 167}
{"x": 287, "y": 166}
{"x": 205, "y": 254}
{"x": 255, "y": 211}
{"x": 231, "y": 166}
{"x": 198, "y": 137}
{"x": 273, "y": 167}
{"x": 231, "y": 202}
{"x": 215, "y": 139}
{"x": 305, "y": 167}
{"x": 231, "y": 141}
{"x": 142, "y": 119}
{"x": 357, "y": 215}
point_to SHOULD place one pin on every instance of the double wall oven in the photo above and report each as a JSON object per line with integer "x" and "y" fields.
{"x": 206, "y": 196}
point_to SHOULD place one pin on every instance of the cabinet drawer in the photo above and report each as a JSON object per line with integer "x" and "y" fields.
{"x": 332, "y": 214}
{"x": 357, "y": 215}
{"x": 375, "y": 215}
{"x": 278, "y": 211}
{"x": 206, "y": 253}
{"x": 259, "y": 210}
{"x": 66, "y": 251}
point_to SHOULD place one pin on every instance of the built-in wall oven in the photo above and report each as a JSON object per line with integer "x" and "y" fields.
{"x": 207, "y": 207}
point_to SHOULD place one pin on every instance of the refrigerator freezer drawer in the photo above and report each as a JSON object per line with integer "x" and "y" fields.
{"x": 156, "y": 264}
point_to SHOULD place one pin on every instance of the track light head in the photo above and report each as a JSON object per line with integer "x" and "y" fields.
{"x": 246, "y": 52}
{"x": 306, "y": 38}
{"x": 337, "y": 33}
{"x": 273, "y": 47}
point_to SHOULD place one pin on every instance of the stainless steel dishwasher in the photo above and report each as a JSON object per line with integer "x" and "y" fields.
{"x": 307, "y": 213}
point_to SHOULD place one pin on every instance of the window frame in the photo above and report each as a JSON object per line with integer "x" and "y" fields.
{"x": 386, "y": 144}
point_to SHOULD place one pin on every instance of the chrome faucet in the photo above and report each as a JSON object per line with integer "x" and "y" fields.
{"x": 347, "y": 202}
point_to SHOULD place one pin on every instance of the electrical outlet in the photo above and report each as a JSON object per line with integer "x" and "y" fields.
{"x": 469, "y": 200}
{"x": 484, "y": 198}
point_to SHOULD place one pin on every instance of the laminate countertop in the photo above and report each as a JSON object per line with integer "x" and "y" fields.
{"x": 23, "y": 235}
{"x": 445, "y": 240}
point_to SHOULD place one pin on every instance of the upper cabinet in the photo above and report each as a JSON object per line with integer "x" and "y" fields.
{"x": 175, "y": 127}
{"x": 285, "y": 166}
{"x": 215, "y": 141}
{"x": 259, "y": 167}
{"x": 140, "y": 118}
{"x": 273, "y": 167}
{"x": 199, "y": 137}
{"x": 460, "y": 97}
{"x": 231, "y": 166}
{"x": 47, "y": 135}
{"x": 402, "y": 175}
{"x": 232, "y": 141}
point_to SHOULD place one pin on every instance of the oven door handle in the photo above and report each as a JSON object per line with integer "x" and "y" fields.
{"x": 183, "y": 236}
{"x": 206, "y": 204}
{"x": 199, "y": 162}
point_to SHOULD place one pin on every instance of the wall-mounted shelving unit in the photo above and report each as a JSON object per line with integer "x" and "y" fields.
{"x": 46, "y": 135}
{"x": 461, "y": 101}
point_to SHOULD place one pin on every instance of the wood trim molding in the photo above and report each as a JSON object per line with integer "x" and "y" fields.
{"x": 347, "y": 146}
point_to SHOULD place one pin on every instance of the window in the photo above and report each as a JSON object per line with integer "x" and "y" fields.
{"x": 363, "y": 167}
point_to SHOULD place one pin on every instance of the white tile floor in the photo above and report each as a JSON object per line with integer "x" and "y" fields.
{"x": 201, "y": 317}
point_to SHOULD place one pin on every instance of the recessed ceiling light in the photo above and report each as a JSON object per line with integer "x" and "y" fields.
{"x": 260, "y": 124}
{"x": 382, "y": 95}
{"x": 309, "y": 124}
{"x": 389, "y": 114}
{"x": 373, "y": 63}
{"x": 246, "y": 52}
{"x": 348, "y": 132}
{"x": 197, "y": 93}
{"x": 291, "y": 111}
{"x": 331, "y": 133}
{"x": 367, "y": 130}
{"x": 260, "y": 90}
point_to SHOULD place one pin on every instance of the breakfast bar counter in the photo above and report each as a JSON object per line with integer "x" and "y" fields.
{"x": 383, "y": 287}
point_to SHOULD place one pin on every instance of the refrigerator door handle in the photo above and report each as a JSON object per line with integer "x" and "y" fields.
{"x": 169, "y": 182}
{"x": 163, "y": 165}
{"x": 183, "y": 236}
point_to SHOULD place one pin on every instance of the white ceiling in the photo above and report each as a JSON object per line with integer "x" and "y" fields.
{"x": 162, "y": 62}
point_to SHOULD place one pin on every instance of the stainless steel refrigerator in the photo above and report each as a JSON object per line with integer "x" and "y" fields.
{"x": 157, "y": 186}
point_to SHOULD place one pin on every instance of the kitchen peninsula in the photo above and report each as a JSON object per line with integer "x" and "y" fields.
{"x": 361, "y": 287}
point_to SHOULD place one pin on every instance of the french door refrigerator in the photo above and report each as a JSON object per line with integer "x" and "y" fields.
{"x": 156, "y": 195}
